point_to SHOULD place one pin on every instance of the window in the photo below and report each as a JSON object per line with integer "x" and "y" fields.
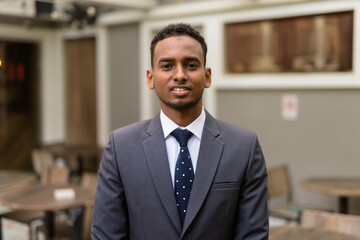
{"x": 316, "y": 43}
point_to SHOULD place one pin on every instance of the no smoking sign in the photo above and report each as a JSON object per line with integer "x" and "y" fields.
{"x": 289, "y": 107}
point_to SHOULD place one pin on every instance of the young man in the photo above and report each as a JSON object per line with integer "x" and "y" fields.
{"x": 158, "y": 181}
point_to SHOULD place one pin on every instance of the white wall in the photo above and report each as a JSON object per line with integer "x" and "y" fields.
{"x": 22, "y": 8}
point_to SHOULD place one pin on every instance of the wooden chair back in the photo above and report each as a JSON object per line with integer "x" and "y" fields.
{"x": 278, "y": 182}
{"x": 342, "y": 223}
{"x": 88, "y": 180}
{"x": 55, "y": 175}
{"x": 41, "y": 158}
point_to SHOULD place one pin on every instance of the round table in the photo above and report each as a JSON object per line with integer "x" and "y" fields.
{"x": 82, "y": 153}
{"x": 302, "y": 233}
{"x": 341, "y": 187}
{"x": 12, "y": 180}
{"x": 41, "y": 197}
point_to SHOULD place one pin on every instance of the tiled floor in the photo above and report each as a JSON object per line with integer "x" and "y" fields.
{"x": 13, "y": 230}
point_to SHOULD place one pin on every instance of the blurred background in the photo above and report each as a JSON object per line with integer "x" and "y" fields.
{"x": 72, "y": 71}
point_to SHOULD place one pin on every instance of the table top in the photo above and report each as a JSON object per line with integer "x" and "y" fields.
{"x": 302, "y": 233}
{"x": 41, "y": 197}
{"x": 11, "y": 179}
{"x": 337, "y": 186}
{"x": 65, "y": 150}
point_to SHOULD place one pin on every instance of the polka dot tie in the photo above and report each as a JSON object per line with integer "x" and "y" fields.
{"x": 184, "y": 173}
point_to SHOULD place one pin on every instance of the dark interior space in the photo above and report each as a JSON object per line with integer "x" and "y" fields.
{"x": 18, "y": 103}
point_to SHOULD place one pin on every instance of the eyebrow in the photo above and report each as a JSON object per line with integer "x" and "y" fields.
{"x": 192, "y": 59}
{"x": 166, "y": 59}
{"x": 172, "y": 59}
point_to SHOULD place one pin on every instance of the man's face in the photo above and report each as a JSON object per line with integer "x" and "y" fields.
{"x": 178, "y": 74}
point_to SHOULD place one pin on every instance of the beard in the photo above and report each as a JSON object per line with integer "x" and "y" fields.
{"x": 181, "y": 105}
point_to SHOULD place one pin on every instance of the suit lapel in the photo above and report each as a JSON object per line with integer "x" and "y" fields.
{"x": 208, "y": 160}
{"x": 155, "y": 151}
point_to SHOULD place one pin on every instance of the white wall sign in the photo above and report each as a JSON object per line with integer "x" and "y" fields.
{"x": 289, "y": 107}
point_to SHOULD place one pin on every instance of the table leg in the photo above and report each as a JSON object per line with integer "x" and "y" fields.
{"x": 81, "y": 165}
{"x": 49, "y": 225}
{"x": 343, "y": 205}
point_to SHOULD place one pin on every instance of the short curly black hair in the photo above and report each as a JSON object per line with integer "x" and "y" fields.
{"x": 178, "y": 30}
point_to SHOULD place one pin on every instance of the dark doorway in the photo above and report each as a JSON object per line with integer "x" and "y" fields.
{"x": 18, "y": 103}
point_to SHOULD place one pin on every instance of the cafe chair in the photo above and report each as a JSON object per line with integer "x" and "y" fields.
{"x": 342, "y": 223}
{"x": 50, "y": 175}
{"x": 89, "y": 180}
{"x": 55, "y": 175}
{"x": 78, "y": 225}
{"x": 40, "y": 159}
{"x": 280, "y": 202}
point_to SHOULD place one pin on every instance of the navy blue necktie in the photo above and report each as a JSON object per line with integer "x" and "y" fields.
{"x": 184, "y": 173}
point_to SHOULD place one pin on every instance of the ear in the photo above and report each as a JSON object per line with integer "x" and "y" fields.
{"x": 150, "y": 79}
{"x": 207, "y": 77}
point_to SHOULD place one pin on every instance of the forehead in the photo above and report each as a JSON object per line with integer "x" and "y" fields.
{"x": 178, "y": 46}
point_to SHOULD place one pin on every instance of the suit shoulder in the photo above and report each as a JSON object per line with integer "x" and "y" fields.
{"x": 230, "y": 128}
{"x": 236, "y": 137}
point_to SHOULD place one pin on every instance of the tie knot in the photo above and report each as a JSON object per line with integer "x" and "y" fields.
{"x": 182, "y": 136}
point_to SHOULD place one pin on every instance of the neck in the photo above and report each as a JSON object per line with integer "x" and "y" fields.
{"x": 183, "y": 117}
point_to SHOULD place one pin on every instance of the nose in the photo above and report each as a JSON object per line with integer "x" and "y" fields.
{"x": 180, "y": 74}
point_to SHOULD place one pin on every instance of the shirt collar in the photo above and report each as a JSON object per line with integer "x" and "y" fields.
{"x": 196, "y": 127}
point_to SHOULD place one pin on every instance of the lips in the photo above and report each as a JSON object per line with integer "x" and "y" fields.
{"x": 180, "y": 90}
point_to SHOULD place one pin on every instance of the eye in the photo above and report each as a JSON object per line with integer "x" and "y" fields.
{"x": 192, "y": 66}
{"x": 166, "y": 66}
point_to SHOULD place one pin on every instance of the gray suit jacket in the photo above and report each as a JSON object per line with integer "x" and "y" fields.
{"x": 135, "y": 197}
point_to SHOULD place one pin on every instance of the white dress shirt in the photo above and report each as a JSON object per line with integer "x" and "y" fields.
{"x": 172, "y": 145}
